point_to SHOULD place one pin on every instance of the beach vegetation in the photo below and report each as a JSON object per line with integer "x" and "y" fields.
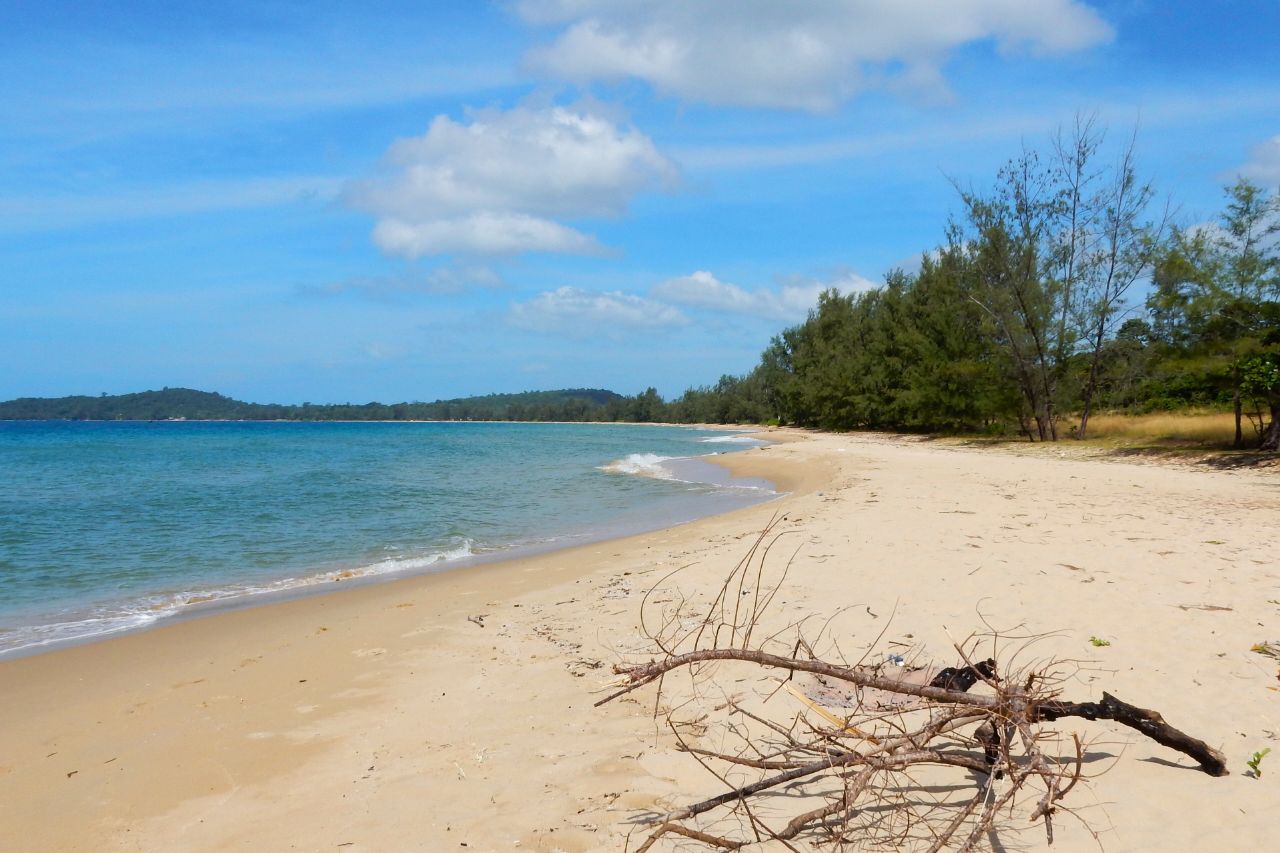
{"x": 1193, "y": 426}
{"x": 1255, "y": 762}
{"x": 1271, "y": 650}
{"x": 1025, "y": 317}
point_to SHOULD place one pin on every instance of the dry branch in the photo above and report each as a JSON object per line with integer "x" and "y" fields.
{"x": 854, "y": 774}
{"x": 1012, "y": 704}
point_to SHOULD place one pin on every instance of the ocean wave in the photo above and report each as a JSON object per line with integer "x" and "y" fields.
{"x": 734, "y": 438}
{"x": 404, "y": 564}
{"x": 693, "y": 471}
{"x": 24, "y": 637}
{"x": 107, "y": 619}
{"x": 643, "y": 465}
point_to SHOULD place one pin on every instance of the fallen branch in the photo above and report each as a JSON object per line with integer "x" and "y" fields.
{"x": 1149, "y": 723}
{"x": 852, "y": 777}
{"x": 1021, "y": 705}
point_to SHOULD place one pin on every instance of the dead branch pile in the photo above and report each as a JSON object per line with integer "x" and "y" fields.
{"x": 868, "y": 755}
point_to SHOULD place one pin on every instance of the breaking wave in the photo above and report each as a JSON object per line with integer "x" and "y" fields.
{"x": 643, "y": 465}
{"x": 735, "y": 438}
{"x": 114, "y": 618}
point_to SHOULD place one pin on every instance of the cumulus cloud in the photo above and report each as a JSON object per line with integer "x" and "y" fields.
{"x": 808, "y": 54}
{"x": 581, "y": 313}
{"x": 1263, "y": 165}
{"x": 498, "y": 182}
{"x": 790, "y": 302}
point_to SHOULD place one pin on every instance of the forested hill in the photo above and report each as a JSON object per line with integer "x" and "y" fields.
{"x": 573, "y": 404}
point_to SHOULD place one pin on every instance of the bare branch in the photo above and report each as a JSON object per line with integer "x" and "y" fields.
{"x": 841, "y": 751}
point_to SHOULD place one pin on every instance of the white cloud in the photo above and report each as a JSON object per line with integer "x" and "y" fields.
{"x": 435, "y": 281}
{"x": 1209, "y": 229}
{"x": 1158, "y": 109}
{"x": 1263, "y": 165}
{"x": 497, "y": 183}
{"x": 790, "y": 302}
{"x": 49, "y": 211}
{"x": 845, "y": 281}
{"x": 580, "y": 313}
{"x": 805, "y": 54}
{"x": 481, "y": 234}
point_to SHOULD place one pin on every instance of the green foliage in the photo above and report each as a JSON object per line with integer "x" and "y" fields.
{"x": 184, "y": 404}
{"x": 146, "y": 405}
{"x": 905, "y": 356}
{"x": 1260, "y": 375}
{"x": 1255, "y": 763}
{"x": 1098, "y": 642}
{"x": 1216, "y": 307}
{"x": 999, "y": 333}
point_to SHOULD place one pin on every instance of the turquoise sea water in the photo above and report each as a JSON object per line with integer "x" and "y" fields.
{"x": 107, "y": 527}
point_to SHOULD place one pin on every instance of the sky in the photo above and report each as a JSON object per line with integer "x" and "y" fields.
{"x": 345, "y": 202}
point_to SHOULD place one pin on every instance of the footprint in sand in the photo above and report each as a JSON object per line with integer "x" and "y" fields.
{"x": 369, "y": 653}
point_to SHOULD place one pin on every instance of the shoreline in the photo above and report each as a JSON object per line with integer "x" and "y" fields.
{"x": 157, "y": 609}
{"x": 452, "y": 709}
{"x": 94, "y": 693}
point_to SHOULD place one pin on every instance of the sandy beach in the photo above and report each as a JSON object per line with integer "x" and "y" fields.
{"x": 455, "y": 711}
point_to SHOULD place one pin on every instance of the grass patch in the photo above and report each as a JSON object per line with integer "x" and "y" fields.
{"x": 1216, "y": 429}
{"x": 1194, "y": 437}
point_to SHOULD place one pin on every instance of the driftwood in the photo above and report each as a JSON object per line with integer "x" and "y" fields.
{"x": 855, "y": 775}
{"x": 1013, "y": 705}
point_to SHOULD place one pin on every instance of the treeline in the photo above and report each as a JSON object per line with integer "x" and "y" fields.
{"x": 574, "y": 404}
{"x": 144, "y": 405}
{"x": 1025, "y": 319}
{"x": 732, "y": 400}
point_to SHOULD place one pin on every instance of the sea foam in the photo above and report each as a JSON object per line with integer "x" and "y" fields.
{"x": 642, "y": 464}
{"x": 107, "y": 619}
{"x": 735, "y": 438}
{"x": 696, "y": 472}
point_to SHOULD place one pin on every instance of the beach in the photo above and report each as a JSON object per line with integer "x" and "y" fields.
{"x": 455, "y": 711}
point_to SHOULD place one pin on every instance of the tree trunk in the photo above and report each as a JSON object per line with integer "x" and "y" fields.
{"x": 1271, "y": 435}
{"x": 1092, "y": 385}
{"x": 1049, "y": 427}
{"x": 1239, "y": 408}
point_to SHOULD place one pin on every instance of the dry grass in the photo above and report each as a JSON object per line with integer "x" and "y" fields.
{"x": 1179, "y": 438}
{"x": 1205, "y": 428}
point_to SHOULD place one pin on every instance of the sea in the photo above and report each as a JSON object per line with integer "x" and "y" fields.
{"x": 108, "y": 527}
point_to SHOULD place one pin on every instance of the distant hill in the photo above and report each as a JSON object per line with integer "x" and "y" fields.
{"x": 571, "y": 404}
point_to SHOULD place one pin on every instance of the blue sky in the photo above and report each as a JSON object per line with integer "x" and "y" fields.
{"x": 335, "y": 202}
